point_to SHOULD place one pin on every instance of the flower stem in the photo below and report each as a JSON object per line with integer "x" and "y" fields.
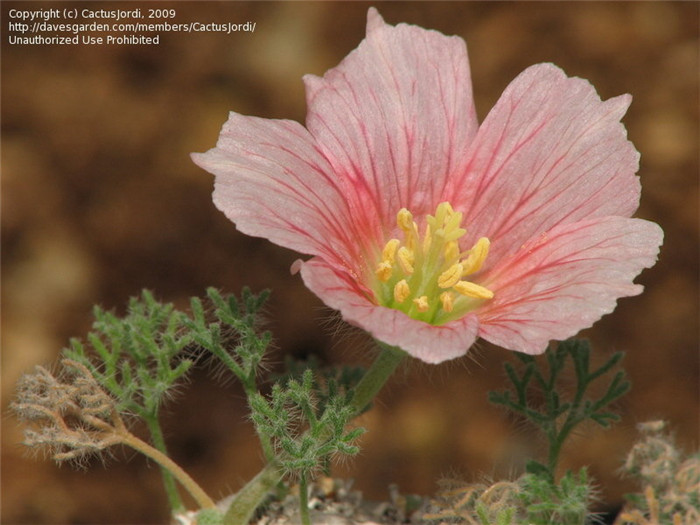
{"x": 374, "y": 379}
{"x": 201, "y": 497}
{"x": 248, "y": 499}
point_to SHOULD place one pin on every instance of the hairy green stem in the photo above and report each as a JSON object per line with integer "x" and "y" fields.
{"x": 176, "y": 504}
{"x": 553, "y": 458}
{"x": 248, "y": 499}
{"x": 304, "y": 500}
{"x": 374, "y": 379}
{"x": 573, "y": 418}
{"x": 251, "y": 389}
{"x": 266, "y": 443}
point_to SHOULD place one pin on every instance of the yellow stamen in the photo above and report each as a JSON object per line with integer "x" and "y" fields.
{"x": 401, "y": 291}
{"x": 421, "y": 303}
{"x": 477, "y": 256}
{"x": 446, "y": 207}
{"x": 454, "y": 234}
{"x": 389, "y": 251}
{"x": 473, "y": 290}
{"x": 449, "y": 277}
{"x": 451, "y": 251}
{"x": 447, "y": 299}
{"x": 406, "y": 259}
{"x": 404, "y": 219}
{"x": 421, "y": 273}
{"x": 444, "y": 210}
{"x": 452, "y": 229}
{"x": 384, "y": 271}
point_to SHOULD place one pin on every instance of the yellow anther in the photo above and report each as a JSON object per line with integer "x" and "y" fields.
{"x": 406, "y": 259}
{"x": 422, "y": 303}
{"x": 473, "y": 290}
{"x": 401, "y": 291}
{"x": 389, "y": 251}
{"x": 449, "y": 277}
{"x": 447, "y": 299}
{"x": 384, "y": 271}
{"x": 477, "y": 256}
{"x": 404, "y": 219}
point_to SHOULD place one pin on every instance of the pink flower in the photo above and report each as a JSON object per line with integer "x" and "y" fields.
{"x": 428, "y": 230}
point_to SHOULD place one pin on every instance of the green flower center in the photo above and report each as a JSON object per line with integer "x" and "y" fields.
{"x": 423, "y": 275}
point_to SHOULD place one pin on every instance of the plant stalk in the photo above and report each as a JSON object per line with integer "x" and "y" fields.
{"x": 176, "y": 504}
{"x": 248, "y": 499}
{"x": 304, "y": 500}
{"x": 201, "y": 497}
{"x": 374, "y": 379}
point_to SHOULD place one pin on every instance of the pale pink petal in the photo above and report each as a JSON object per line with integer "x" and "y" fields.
{"x": 549, "y": 152}
{"x": 395, "y": 118}
{"x": 432, "y": 344}
{"x": 565, "y": 280}
{"x": 272, "y": 182}
{"x": 549, "y": 178}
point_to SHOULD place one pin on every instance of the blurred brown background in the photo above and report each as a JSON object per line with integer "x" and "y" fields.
{"x": 100, "y": 199}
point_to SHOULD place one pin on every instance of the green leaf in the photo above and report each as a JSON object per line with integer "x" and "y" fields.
{"x": 560, "y": 414}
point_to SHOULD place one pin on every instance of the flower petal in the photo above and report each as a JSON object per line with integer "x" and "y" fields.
{"x": 549, "y": 152}
{"x": 565, "y": 280}
{"x": 432, "y": 344}
{"x": 395, "y": 117}
{"x": 272, "y": 182}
